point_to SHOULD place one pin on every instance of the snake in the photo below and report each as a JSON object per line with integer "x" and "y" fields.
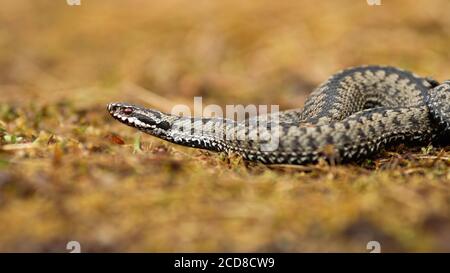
{"x": 353, "y": 115}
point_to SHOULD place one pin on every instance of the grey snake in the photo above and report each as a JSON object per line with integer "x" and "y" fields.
{"x": 351, "y": 116}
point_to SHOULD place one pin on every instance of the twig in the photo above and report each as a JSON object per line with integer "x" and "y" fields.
{"x": 20, "y": 146}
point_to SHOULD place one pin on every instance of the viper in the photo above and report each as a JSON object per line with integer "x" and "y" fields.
{"x": 352, "y": 115}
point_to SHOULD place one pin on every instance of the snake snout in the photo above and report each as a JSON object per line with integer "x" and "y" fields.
{"x": 112, "y": 107}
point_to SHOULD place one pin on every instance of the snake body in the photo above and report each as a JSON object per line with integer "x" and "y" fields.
{"x": 352, "y": 115}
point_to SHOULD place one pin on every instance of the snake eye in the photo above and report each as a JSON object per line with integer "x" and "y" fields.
{"x": 127, "y": 111}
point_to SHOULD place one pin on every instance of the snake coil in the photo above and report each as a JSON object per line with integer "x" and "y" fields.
{"x": 352, "y": 115}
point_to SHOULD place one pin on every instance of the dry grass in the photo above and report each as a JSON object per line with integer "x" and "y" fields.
{"x": 69, "y": 172}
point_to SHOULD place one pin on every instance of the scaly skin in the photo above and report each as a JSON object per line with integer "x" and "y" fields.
{"x": 351, "y": 116}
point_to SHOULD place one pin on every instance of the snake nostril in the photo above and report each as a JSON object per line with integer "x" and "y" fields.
{"x": 112, "y": 107}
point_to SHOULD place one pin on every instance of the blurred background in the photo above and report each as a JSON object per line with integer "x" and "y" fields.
{"x": 68, "y": 172}
{"x": 227, "y": 52}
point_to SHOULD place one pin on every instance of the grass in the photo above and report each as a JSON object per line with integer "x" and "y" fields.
{"x": 70, "y": 172}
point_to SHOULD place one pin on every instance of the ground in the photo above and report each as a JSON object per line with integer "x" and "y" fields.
{"x": 70, "y": 172}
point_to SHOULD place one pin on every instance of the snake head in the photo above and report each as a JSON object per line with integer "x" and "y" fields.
{"x": 147, "y": 120}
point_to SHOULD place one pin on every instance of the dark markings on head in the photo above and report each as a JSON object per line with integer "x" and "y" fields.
{"x": 146, "y": 120}
{"x": 155, "y": 113}
{"x": 164, "y": 125}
